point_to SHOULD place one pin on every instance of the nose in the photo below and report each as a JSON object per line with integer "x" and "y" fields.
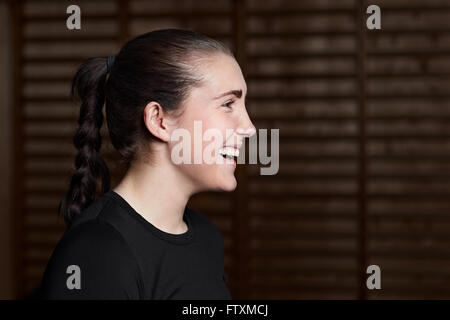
{"x": 246, "y": 127}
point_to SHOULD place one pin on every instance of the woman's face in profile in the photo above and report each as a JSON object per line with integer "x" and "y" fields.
{"x": 215, "y": 117}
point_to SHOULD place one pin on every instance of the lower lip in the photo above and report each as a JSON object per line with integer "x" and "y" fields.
{"x": 231, "y": 162}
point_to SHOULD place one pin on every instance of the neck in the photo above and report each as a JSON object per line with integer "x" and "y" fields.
{"x": 158, "y": 193}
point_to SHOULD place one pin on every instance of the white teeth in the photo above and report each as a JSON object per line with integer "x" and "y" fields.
{"x": 228, "y": 151}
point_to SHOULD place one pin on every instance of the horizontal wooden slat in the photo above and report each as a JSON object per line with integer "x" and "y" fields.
{"x": 303, "y": 73}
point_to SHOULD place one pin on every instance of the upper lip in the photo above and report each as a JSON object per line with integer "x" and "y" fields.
{"x": 238, "y": 146}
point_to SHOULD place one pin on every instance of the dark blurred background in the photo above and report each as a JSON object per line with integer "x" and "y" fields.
{"x": 364, "y": 119}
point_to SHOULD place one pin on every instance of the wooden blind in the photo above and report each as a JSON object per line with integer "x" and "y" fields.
{"x": 364, "y": 131}
{"x": 408, "y": 149}
{"x": 48, "y": 57}
{"x": 301, "y": 75}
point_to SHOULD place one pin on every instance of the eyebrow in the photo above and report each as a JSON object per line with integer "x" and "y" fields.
{"x": 237, "y": 93}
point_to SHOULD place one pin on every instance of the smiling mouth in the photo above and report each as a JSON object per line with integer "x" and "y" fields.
{"x": 229, "y": 153}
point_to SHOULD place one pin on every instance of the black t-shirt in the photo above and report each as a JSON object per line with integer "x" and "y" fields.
{"x": 111, "y": 252}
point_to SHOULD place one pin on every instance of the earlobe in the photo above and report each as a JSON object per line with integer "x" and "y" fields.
{"x": 155, "y": 122}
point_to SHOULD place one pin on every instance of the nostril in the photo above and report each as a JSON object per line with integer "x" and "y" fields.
{"x": 253, "y": 131}
{"x": 248, "y": 132}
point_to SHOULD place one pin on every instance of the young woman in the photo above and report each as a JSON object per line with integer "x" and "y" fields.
{"x": 138, "y": 240}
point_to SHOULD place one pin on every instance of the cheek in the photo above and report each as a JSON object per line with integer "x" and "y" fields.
{"x": 212, "y": 175}
{"x": 221, "y": 120}
{"x": 215, "y": 176}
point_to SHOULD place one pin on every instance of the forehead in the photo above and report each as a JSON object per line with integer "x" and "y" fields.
{"x": 221, "y": 73}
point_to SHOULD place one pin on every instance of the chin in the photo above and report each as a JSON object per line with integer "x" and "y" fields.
{"x": 226, "y": 185}
{"x": 229, "y": 186}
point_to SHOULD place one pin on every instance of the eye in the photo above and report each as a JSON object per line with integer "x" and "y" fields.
{"x": 228, "y": 104}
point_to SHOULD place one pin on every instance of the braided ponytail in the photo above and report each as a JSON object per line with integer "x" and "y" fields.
{"x": 89, "y": 86}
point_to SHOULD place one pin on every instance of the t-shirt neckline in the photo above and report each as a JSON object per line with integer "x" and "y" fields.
{"x": 182, "y": 238}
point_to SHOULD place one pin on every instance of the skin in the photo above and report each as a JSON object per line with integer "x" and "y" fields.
{"x": 160, "y": 189}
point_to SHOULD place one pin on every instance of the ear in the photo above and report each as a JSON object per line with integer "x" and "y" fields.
{"x": 156, "y": 122}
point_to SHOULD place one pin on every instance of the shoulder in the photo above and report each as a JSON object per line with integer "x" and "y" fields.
{"x": 92, "y": 235}
{"x": 106, "y": 264}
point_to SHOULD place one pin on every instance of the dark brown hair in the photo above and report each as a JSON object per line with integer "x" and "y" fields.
{"x": 156, "y": 66}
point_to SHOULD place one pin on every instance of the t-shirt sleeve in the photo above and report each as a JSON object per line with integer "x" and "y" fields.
{"x": 92, "y": 261}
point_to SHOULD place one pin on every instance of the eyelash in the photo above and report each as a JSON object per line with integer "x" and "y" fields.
{"x": 228, "y": 104}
